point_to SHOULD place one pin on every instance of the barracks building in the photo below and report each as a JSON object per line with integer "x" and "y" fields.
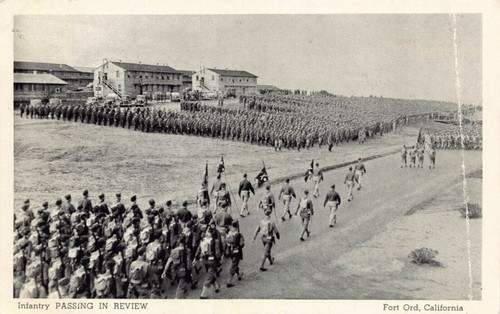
{"x": 132, "y": 79}
{"x": 225, "y": 82}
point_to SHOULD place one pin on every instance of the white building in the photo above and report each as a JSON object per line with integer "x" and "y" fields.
{"x": 225, "y": 82}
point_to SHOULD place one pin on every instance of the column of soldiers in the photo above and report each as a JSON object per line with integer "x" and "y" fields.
{"x": 280, "y": 121}
{"x": 117, "y": 251}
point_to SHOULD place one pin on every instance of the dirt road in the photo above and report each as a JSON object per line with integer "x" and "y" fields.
{"x": 309, "y": 269}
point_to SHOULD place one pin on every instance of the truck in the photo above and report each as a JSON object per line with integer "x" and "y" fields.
{"x": 175, "y": 97}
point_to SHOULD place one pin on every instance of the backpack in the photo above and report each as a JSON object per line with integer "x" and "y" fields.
{"x": 267, "y": 230}
{"x": 176, "y": 255}
{"x": 265, "y": 201}
{"x": 118, "y": 264}
{"x": 206, "y": 248}
{"x": 186, "y": 231}
{"x": 223, "y": 199}
{"x": 145, "y": 234}
{"x": 29, "y": 290}
{"x": 153, "y": 252}
{"x": 202, "y": 216}
{"x": 94, "y": 257}
{"x": 55, "y": 271}
{"x": 77, "y": 280}
{"x": 110, "y": 244}
{"x": 233, "y": 247}
{"x": 19, "y": 261}
{"x": 138, "y": 272}
{"x": 304, "y": 210}
{"x": 102, "y": 285}
{"x": 130, "y": 250}
{"x": 231, "y": 237}
{"x": 73, "y": 252}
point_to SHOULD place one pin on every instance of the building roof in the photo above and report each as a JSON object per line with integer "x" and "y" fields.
{"x": 41, "y": 66}
{"x": 37, "y": 79}
{"x": 84, "y": 69}
{"x": 187, "y": 72}
{"x": 232, "y": 73}
{"x": 139, "y": 67}
{"x": 267, "y": 87}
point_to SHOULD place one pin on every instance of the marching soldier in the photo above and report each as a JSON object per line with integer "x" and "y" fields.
{"x": 359, "y": 170}
{"x": 350, "y": 180}
{"x": 234, "y": 250}
{"x": 317, "y": 177}
{"x": 332, "y": 199}
{"x": 141, "y": 276}
{"x": 306, "y": 209}
{"x": 403, "y": 156}
{"x": 287, "y": 192}
{"x": 244, "y": 192}
{"x": 267, "y": 200}
{"x": 208, "y": 252}
{"x": 432, "y": 158}
{"x": 202, "y": 198}
{"x": 215, "y": 190}
{"x": 85, "y": 203}
{"x": 178, "y": 267}
{"x": 268, "y": 230}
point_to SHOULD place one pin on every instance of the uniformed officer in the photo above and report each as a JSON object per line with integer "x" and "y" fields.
{"x": 244, "y": 192}
{"x": 332, "y": 199}
{"x": 287, "y": 192}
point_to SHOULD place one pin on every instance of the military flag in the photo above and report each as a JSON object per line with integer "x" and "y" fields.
{"x": 262, "y": 176}
{"x": 309, "y": 171}
{"x": 205, "y": 176}
{"x": 221, "y": 167}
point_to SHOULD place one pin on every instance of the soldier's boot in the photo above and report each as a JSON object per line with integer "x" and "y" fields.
{"x": 230, "y": 281}
{"x": 262, "y": 264}
{"x": 203, "y": 294}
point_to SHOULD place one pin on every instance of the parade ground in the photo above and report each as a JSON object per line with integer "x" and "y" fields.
{"x": 363, "y": 257}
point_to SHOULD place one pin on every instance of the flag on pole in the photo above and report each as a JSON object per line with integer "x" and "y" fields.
{"x": 309, "y": 171}
{"x": 419, "y": 136}
{"x": 262, "y": 176}
{"x": 205, "y": 176}
{"x": 221, "y": 167}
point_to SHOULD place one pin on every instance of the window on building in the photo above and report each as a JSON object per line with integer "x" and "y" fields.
{"x": 119, "y": 86}
{"x": 162, "y": 77}
{"x": 221, "y": 79}
{"x": 197, "y": 77}
{"x": 128, "y": 75}
{"x": 57, "y": 90}
{"x": 247, "y": 80}
{"x": 213, "y": 78}
{"x": 140, "y": 76}
{"x": 145, "y": 77}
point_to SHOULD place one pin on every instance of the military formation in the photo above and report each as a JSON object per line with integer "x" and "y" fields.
{"x": 113, "y": 250}
{"x": 279, "y": 121}
{"x": 452, "y": 138}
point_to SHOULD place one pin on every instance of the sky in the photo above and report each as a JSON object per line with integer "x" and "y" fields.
{"x": 398, "y": 55}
